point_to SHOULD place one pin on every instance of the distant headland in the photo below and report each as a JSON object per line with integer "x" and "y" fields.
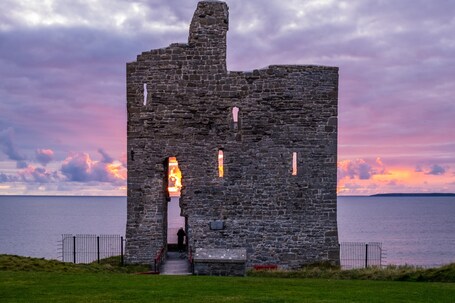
{"x": 415, "y": 195}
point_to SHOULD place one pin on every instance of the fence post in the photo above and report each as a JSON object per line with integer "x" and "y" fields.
{"x": 121, "y": 250}
{"x": 98, "y": 248}
{"x": 366, "y": 255}
{"x": 74, "y": 249}
{"x": 63, "y": 248}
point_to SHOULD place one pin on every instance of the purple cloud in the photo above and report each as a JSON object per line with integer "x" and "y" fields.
{"x": 4, "y": 178}
{"x": 44, "y": 156}
{"x": 436, "y": 170}
{"x": 105, "y": 157}
{"x": 21, "y": 164}
{"x": 38, "y": 175}
{"x": 8, "y": 146}
{"x": 364, "y": 171}
{"x": 79, "y": 167}
{"x": 360, "y": 169}
{"x": 63, "y": 73}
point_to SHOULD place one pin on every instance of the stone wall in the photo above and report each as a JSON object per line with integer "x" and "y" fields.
{"x": 278, "y": 217}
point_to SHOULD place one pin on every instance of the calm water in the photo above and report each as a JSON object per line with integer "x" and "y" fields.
{"x": 32, "y": 226}
{"x": 413, "y": 230}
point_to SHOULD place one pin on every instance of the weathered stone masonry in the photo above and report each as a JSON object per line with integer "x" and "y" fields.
{"x": 279, "y": 218}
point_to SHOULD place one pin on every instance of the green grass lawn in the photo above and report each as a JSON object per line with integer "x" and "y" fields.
{"x": 37, "y": 280}
{"x": 117, "y": 287}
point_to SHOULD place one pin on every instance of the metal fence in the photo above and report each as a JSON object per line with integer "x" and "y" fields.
{"x": 361, "y": 255}
{"x": 90, "y": 248}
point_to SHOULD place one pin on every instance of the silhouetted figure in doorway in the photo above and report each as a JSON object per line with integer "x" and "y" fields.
{"x": 181, "y": 238}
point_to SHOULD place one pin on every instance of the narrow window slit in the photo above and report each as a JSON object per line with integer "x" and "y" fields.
{"x": 145, "y": 94}
{"x": 235, "y": 117}
{"x": 220, "y": 163}
{"x": 294, "y": 164}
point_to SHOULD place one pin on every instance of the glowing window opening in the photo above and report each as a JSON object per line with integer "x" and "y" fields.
{"x": 294, "y": 164}
{"x": 145, "y": 93}
{"x": 220, "y": 163}
{"x": 174, "y": 183}
{"x": 235, "y": 117}
{"x": 235, "y": 114}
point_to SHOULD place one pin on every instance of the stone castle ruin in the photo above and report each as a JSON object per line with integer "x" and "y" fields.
{"x": 252, "y": 155}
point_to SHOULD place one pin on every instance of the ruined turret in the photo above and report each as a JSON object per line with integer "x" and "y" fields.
{"x": 256, "y": 152}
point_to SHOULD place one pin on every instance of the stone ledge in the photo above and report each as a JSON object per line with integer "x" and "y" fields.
{"x": 220, "y": 262}
{"x": 220, "y": 255}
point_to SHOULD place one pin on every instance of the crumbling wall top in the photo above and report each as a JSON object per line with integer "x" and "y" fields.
{"x": 210, "y": 23}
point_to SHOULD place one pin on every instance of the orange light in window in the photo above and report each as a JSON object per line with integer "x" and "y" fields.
{"x": 174, "y": 178}
{"x": 220, "y": 164}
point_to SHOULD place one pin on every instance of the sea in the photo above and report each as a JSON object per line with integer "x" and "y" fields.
{"x": 413, "y": 230}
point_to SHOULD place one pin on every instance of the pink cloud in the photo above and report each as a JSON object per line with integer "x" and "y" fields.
{"x": 395, "y": 95}
{"x": 44, "y": 156}
{"x": 33, "y": 174}
{"x": 124, "y": 159}
{"x": 80, "y": 167}
{"x": 360, "y": 169}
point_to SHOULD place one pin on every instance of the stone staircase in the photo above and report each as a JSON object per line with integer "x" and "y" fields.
{"x": 176, "y": 264}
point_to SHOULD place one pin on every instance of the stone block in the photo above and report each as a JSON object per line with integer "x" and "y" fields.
{"x": 220, "y": 262}
{"x": 217, "y": 225}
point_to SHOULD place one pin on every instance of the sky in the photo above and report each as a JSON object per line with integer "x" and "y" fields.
{"x": 63, "y": 101}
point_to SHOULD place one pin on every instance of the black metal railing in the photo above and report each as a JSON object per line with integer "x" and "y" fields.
{"x": 190, "y": 259}
{"x": 159, "y": 258}
{"x": 90, "y": 248}
{"x": 361, "y": 255}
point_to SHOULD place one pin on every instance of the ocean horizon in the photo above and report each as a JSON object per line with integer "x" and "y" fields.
{"x": 413, "y": 230}
{"x": 399, "y": 194}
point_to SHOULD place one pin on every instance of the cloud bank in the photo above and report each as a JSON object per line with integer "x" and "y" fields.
{"x": 62, "y": 85}
{"x": 80, "y": 167}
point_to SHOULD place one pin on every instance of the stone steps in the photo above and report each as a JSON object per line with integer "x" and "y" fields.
{"x": 176, "y": 264}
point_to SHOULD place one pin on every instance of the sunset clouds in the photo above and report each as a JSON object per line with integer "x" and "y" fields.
{"x": 62, "y": 86}
{"x": 75, "y": 171}
{"x": 363, "y": 177}
{"x": 80, "y": 167}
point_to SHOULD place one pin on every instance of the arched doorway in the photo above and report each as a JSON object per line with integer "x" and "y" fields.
{"x": 174, "y": 220}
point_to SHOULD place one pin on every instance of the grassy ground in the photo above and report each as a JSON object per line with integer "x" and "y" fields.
{"x": 37, "y": 280}
{"x": 109, "y": 265}
{"x": 102, "y": 287}
{"x": 391, "y": 273}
